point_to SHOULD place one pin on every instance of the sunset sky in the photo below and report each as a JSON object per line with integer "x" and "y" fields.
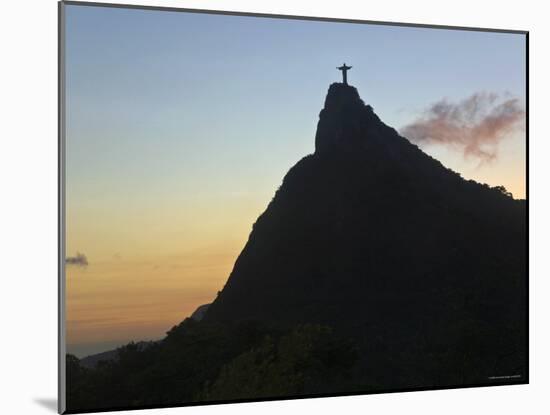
{"x": 180, "y": 127}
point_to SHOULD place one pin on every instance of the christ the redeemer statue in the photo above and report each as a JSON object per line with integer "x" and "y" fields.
{"x": 344, "y": 68}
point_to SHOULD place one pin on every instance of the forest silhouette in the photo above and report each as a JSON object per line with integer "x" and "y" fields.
{"x": 373, "y": 268}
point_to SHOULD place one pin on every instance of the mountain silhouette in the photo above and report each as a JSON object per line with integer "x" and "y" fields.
{"x": 373, "y": 268}
{"x": 377, "y": 239}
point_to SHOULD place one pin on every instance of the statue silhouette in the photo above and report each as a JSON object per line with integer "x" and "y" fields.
{"x": 344, "y": 68}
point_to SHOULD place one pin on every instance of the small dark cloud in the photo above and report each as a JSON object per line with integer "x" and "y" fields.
{"x": 78, "y": 260}
{"x": 475, "y": 125}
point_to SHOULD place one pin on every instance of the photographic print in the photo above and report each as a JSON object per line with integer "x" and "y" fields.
{"x": 258, "y": 207}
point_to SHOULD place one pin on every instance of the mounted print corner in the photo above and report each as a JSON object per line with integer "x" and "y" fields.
{"x": 258, "y": 207}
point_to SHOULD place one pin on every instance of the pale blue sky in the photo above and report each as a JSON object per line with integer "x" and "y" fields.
{"x": 156, "y": 95}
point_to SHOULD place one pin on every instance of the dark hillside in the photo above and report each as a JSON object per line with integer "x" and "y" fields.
{"x": 374, "y": 267}
{"x": 372, "y": 236}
